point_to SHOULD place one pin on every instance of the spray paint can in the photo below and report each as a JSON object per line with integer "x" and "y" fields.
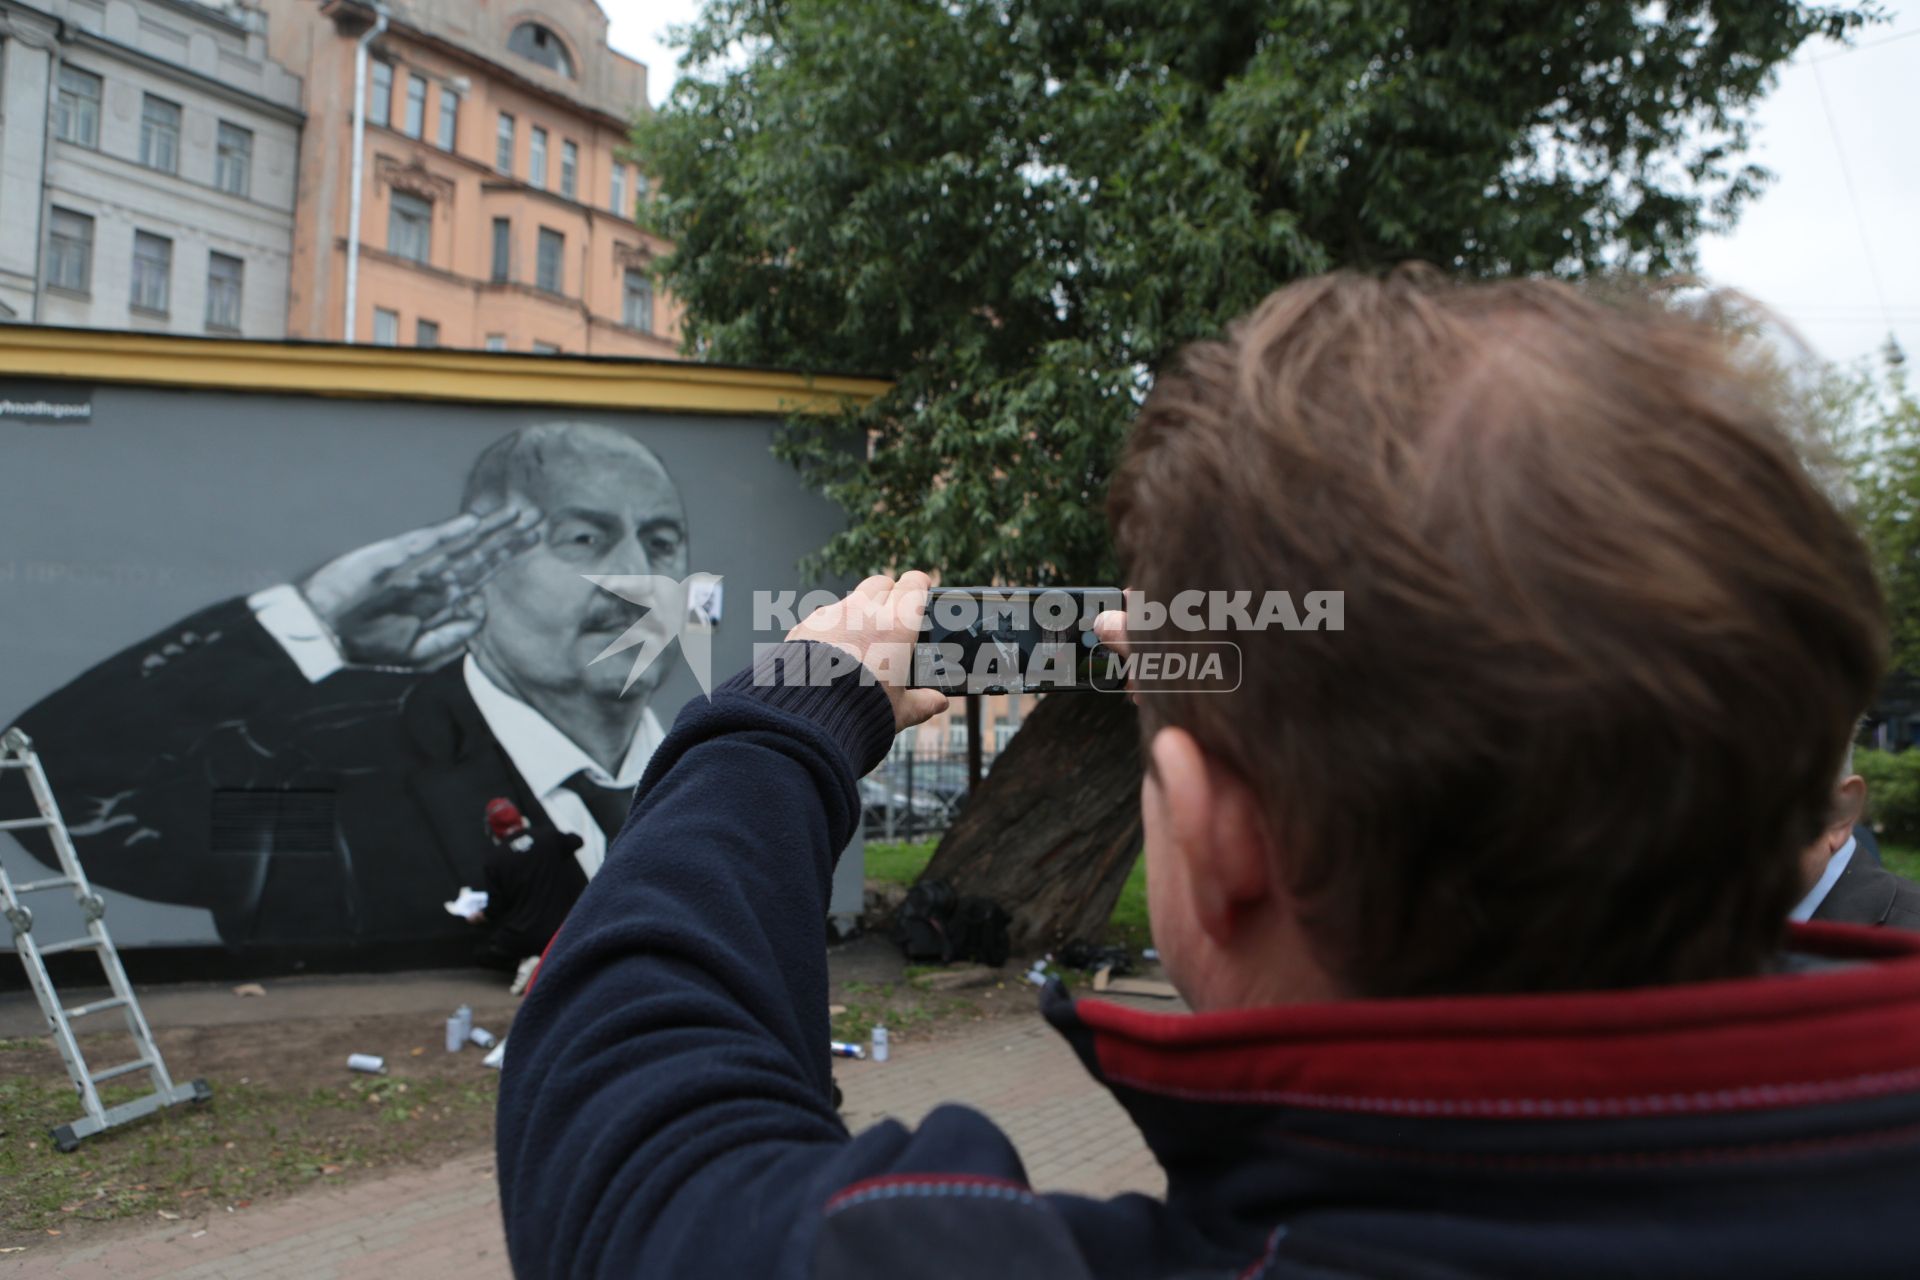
{"x": 465, "y": 1014}
{"x": 841, "y": 1049}
{"x": 368, "y": 1063}
{"x": 456, "y": 1034}
{"x": 482, "y": 1037}
{"x": 880, "y": 1049}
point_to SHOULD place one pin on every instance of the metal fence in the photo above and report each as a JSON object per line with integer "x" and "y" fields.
{"x": 916, "y": 794}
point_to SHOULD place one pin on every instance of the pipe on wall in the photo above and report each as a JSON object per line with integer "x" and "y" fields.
{"x": 359, "y": 165}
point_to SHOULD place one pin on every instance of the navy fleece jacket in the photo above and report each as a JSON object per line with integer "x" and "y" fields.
{"x": 664, "y": 1109}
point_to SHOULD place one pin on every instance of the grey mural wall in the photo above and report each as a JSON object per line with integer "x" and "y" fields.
{"x": 279, "y": 653}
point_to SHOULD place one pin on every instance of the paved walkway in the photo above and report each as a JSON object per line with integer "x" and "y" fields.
{"x": 430, "y": 1224}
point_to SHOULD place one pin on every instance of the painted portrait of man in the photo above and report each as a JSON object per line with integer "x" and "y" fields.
{"x": 311, "y": 762}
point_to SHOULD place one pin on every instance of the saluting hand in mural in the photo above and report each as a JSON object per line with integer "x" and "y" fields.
{"x": 413, "y": 601}
{"x": 306, "y": 762}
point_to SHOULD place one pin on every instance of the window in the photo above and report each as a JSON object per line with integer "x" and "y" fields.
{"x": 70, "y": 251}
{"x": 224, "y": 275}
{"x": 233, "y": 159}
{"x": 416, "y": 118}
{"x": 76, "y": 113}
{"x": 636, "y": 310}
{"x": 641, "y": 187}
{"x": 619, "y": 201}
{"x": 496, "y": 342}
{"x": 569, "y": 169}
{"x": 503, "y": 145}
{"x": 502, "y": 250}
{"x": 533, "y": 41}
{"x": 545, "y": 349}
{"x": 160, "y": 134}
{"x": 386, "y": 327}
{"x": 552, "y": 275}
{"x": 426, "y": 333}
{"x": 152, "y": 271}
{"x": 956, "y": 736}
{"x": 537, "y": 158}
{"x": 380, "y": 94}
{"x": 1002, "y": 735}
{"x": 409, "y": 226}
{"x": 449, "y": 117}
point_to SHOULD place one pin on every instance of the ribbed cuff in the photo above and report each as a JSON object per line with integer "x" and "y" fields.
{"x": 826, "y": 685}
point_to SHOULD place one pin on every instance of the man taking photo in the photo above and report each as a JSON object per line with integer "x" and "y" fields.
{"x": 1481, "y": 902}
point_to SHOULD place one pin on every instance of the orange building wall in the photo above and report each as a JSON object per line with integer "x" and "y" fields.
{"x": 453, "y": 287}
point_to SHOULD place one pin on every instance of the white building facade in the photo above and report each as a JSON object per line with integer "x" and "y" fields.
{"x": 148, "y": 160}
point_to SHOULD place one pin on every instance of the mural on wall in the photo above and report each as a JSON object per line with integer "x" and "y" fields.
{"x": 311, "y": 761}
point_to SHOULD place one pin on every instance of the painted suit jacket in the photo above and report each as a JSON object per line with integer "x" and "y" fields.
{"x": 201, "y": 767}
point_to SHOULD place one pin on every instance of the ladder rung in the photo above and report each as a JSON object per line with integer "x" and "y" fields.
{"x": 121, "y": 1070}
{"x": 22, "y": 824}
{"x": 14, "y": 764}
{"x": 98, "y": 1006}
{"x": 71, "y": 944}
{"x": 54, "y": 883}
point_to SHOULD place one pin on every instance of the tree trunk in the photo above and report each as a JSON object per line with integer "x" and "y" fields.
{"x": 1053, "y": 831}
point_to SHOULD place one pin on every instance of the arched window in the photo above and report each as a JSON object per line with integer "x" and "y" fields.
{"x": 531, "y": 40}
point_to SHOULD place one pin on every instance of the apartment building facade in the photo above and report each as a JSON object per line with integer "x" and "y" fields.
{"x": 496, "y": 206}
{"x": 148, "y": 154}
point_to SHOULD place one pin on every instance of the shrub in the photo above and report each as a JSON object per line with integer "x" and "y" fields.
{"x": 1893, "y": 792}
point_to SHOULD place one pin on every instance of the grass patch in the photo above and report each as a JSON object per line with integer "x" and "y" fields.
{"x": 250, "y": 1140}
{"x": 1128, "y": 925}
{"x": 896, "y": 861}
{"x": 899, "y": 863}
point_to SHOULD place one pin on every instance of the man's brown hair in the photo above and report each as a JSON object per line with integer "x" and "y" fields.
{"x": 1605, "y": 637}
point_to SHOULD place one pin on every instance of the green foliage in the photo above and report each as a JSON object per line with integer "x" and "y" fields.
{"x": 1893, "y": 792}
{"x": 1874, "y": 417}
{"x": 1900, "y": 860}
{"x": 1020, "y": 209}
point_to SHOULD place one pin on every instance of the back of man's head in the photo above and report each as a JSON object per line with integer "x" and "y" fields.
{"x": 1604, "y": 638}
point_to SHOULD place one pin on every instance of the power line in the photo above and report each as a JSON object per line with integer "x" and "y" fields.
{"x": 1853, "y": 197}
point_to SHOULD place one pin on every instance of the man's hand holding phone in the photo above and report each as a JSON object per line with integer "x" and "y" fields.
{"x": 878, "y": 622}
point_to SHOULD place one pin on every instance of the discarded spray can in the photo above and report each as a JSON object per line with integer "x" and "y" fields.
{"x": 841, "y": 1049}
{"x": 465, "y": 1014}
{"x": 456, "y": 1034}
{"x": 367, "y": 1062}
{"x": 482, "y": 1037}
{"x": 880, "y": 1049}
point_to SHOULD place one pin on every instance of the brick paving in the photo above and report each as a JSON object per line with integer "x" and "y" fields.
{"x": 444, "y": 1223}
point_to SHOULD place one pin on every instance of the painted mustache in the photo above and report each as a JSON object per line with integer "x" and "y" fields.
{"x": 615, "y": 615}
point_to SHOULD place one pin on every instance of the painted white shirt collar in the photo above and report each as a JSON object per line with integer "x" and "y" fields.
{"x": 1836, "y": 865}
{"x": 544, "y": 756}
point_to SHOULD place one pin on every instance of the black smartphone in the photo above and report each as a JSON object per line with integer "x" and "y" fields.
{"x": 980, "y": 640}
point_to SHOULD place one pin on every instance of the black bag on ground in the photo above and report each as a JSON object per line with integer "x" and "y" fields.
{"x": 979, "y": 931}
{"x": 922, "y": 925}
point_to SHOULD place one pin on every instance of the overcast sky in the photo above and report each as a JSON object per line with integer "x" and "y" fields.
{"x": 1833, "y": 245}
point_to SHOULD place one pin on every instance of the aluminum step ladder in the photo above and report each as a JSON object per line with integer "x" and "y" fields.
{"x": 16, "y": 752}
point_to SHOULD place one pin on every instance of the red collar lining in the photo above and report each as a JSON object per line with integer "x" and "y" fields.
{"x": 1791, "y": 1040}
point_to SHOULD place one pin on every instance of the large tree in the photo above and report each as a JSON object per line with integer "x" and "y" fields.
{"x": 1019, "y": 209}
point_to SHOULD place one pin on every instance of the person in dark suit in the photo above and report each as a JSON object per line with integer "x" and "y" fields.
{"x": 532, "y": 881}
{"x": 1845, "y": 882}
{"x": 307, "y": 763}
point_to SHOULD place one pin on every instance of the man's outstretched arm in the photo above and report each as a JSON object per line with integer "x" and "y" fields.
{"x": 665, "y": 1105}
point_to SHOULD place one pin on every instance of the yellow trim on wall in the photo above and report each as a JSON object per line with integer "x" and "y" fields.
{"x": 411, "y": 373}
